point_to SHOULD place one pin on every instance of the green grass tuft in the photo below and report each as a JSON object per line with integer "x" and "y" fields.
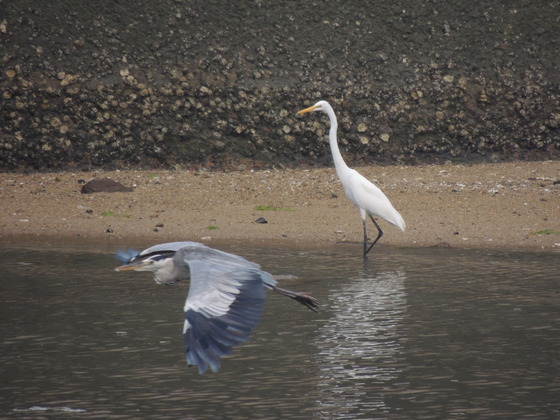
{"x": 546, "y": 232}
{"x": 113, "y": 214}
{"x": 271, "y": 208}
{"x": 267, "y": 208}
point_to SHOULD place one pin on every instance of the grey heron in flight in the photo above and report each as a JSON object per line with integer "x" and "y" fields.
{"x": 225, "y": 298}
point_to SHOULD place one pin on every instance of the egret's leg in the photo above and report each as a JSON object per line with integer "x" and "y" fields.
{"x": 365, "y": 238}
{"x": 379, "y": 235}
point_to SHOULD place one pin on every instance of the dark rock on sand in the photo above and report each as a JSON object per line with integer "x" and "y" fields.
{"x": 104, "y": 185}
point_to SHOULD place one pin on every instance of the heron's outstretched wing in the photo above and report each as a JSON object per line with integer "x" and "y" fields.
{"x": 224, "y": 304}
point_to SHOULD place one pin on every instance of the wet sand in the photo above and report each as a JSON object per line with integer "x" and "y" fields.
{"x": 503, "y": 205}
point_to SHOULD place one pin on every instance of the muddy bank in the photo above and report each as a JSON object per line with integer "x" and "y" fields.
{"x": 508, "y": 205}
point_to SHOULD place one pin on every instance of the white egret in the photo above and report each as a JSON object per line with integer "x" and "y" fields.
{"x": 225, "y": 298}
{"x": 364, "y": 194}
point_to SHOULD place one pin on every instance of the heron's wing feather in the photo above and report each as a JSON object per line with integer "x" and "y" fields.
{"x": 224, "y": 304}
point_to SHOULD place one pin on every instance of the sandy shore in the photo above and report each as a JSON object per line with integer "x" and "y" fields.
{"x": 504, "y": 205}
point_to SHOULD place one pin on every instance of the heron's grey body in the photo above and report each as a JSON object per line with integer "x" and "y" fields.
{"x": 225, "y": 298}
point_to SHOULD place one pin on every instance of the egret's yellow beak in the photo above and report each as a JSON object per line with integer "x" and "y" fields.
{"x": 306, "y": 110}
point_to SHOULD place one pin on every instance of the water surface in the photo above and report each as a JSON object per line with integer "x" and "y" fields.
{"x": 412, "y": 333}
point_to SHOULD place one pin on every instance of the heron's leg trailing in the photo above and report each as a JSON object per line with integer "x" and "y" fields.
{"x": 379, "y": 235}
{"x": 304, "y": 298}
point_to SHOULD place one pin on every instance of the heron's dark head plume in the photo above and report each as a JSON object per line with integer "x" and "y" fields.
{"x": 160, "y": 263}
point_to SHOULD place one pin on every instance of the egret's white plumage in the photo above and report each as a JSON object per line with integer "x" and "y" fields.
{"x": 225, "y": 298}
{"x": 370, "y": 200}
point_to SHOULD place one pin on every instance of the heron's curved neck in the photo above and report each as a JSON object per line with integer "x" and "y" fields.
{"x": 337, "y": 157}
{"x": 168, "y": 272}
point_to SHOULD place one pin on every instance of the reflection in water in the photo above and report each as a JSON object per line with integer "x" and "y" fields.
{"x": 359, "y": 346}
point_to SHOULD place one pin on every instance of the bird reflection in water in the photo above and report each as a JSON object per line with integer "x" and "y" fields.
{"x": 359, "y": 345}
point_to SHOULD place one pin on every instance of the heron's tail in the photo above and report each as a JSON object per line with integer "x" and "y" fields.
{"x": 304, "y": 298}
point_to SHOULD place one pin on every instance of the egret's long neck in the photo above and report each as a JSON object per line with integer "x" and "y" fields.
{"x": 337, "y": 157}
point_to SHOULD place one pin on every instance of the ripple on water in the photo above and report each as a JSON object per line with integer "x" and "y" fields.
{"x": 426, "y": 333}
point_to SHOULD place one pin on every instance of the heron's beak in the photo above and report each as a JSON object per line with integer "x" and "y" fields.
{"x": 138, "y": 265}
{"x": 306, "y": 110}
